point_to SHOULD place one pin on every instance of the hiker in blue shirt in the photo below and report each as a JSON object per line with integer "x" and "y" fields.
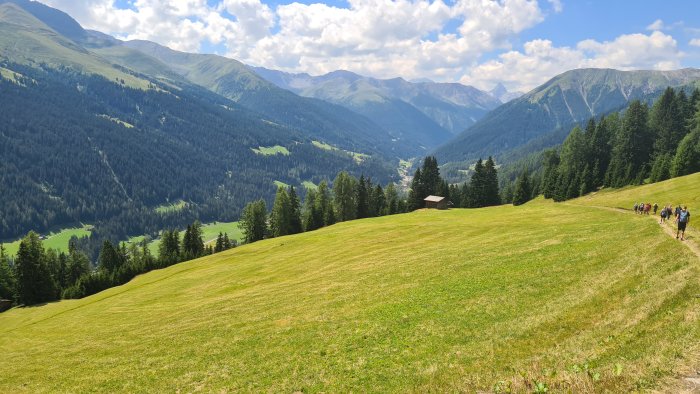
{"x": 683, "y": 219}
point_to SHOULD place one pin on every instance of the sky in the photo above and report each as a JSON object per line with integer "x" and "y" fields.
{"x": 520, "y": 43}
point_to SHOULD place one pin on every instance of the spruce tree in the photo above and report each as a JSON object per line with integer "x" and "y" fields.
{"x": 667, "y": 122}
{"x": 417, "y": 192}
{"x": 687, "y": 158}
{"x": 7, "y": 277}
{"x": 295, "y": 226}
{"x": 281, "y": 215}
{"x": 362, "y": 198}
{"x": 477, "y": 186}
{"x": 344, "y": 196}
{"x": 110, "y": 259}
{"x": 491, "y": 195}
{"x": 391, "y": 197}
{"x": 34, "y": 282}
{"x": 219, "y": 245}
{"x": 523, "y": 191}
{"x": 253, "y": 221}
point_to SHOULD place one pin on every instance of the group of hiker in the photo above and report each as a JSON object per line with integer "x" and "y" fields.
{"x": 681, "y": 215}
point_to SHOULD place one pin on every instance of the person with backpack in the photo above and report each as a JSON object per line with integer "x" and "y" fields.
{"x": 677, "y": 212}
{"x": 656, "y": 206}
{"x": 663, "y": 215}
{"x": 635, "y": 207}
{"x": 683, "y": 219}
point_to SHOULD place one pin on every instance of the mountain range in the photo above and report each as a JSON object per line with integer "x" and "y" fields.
{"x": 553, "y": 108}
{"x": 151, "y": 125}
{"x": 427, "y": 112}
{"x": 86, "y": 140}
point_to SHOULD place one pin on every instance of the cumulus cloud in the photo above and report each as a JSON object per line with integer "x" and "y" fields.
{"x": 444, "y": 40}
{"x": 695, "y": 42}
{"x": 541, "y": 60}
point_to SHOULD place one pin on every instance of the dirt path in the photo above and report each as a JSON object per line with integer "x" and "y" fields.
{"x": 691, "y": 241}
{"x": 689, "y": 381}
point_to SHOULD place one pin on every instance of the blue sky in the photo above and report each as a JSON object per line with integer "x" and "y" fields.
{"x": 520, "y": 43}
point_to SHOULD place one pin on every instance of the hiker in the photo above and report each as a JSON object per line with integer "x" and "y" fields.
{"x": 647, "y": 208}
{"x": 663, "y": 215}
{"x": 656, "y": 206}
{"x": 635, "y": 207}
{"x": 677, "y": 212}
{"x": 683, "y": 219}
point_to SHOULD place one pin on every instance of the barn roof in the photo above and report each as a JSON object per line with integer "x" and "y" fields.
{"x": 433, "y": 198}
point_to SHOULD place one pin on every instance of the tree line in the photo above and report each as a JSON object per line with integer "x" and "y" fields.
{"x": 640, "y": 144}
{"x": 37, "y": 275}
{"x": 352, "y": 198}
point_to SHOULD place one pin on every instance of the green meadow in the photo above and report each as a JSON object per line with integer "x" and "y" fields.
{"x": 574, "y": 297}
{"x": 209, "y": 233}
{"x": 271, "y": 150}
{"x": 57, "y": 240}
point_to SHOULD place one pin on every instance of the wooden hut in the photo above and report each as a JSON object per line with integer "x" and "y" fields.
{"x": 436, "y": 202}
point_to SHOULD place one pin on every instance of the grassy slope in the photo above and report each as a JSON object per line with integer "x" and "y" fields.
{"x": 433, "y": 300}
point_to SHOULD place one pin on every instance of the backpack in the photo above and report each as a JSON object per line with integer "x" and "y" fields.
{"x": 683, "y": 216}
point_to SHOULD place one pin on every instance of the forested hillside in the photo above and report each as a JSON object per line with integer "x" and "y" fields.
{"x": 640, "y": 144}
{"x": 84, "y": 140}
{"x": 566, "y": 100}
{"x": 82, "y": 148}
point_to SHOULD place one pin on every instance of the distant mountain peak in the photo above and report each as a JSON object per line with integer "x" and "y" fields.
{"x": 502, "y": 94}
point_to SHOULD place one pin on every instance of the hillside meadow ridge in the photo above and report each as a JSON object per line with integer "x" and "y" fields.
{"x": 577, "y": 296}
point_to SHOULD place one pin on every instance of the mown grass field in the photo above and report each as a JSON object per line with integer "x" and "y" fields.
{"x": 209, "y": 233}
{"x": 571, "y": 297}
{"x": 57, "y": 240}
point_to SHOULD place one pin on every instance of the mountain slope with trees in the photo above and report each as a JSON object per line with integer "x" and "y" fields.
{"x": 86, "y": 141}
{"x": 566, "y": 100}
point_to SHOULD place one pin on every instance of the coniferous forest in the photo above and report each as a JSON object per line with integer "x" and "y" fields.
{"x": 82, "y": 149}
{"x": 639, "y": 144}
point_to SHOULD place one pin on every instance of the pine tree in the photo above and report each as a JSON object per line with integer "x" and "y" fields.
{"x": 667, "y": 122}
{"x": 281, "y": 215}
{"x": 34, "y": 282}
{"x": 417, "y": 192}
{"x": 391, "y": 197}
{"x": 586, "y": 185}
{"x": 169, "y": 248}
{"x": 227, "y": 243}
{"x": 313, "y": 216}
{"x": 523, "y": 191}
{"x": 430, "y": 177}
{"x": 378, "y": 203}
{"x": 477, "y": 186}
{"x": 344, "y": 196}
{"x": 219, "y": 245}
{"x": 295, "y": 226}
{"x": 253, "y": 221}
{"x": 110, "y": 259}
{"x": 687, "y": 158}
{"x": 7, "y": 277}
{"x": 325, "y": 205}
{"x": 491, "y": 195}
{"x": 550, "y": 161}
{"x": 632, "y": 147}
{"x": 362, "y": 198}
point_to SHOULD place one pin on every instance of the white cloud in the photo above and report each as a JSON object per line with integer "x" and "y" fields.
{"x": 656, "y": 25}
{"x": 695, "y": 42}
{"x": 437, "y": 39}
{"x": 540, "y": 60}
